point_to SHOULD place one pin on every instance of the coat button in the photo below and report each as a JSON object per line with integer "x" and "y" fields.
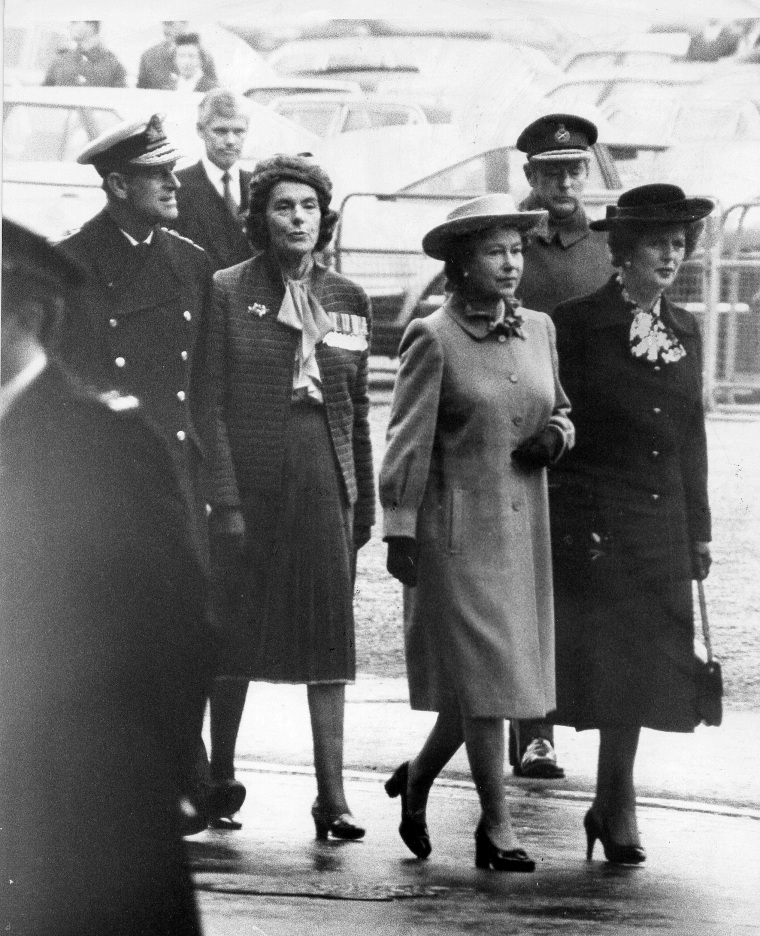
{"x": 655, "y": 454}
{"x": 515, "y": 506}
{"x": 655, "y": 497}
{"x": 502, "y": 339}
{"x": 120, "y": 362}
{"x": 183, "y": 355}
{"x": 656, "y": 410}
{"x": 181, "y": 396}
{"x": 657, "y": 367}
{"x": 518, "y": 420}
{"x": 187, "y": 316}
{"x": 513, "y": 378}
{"x": 113, "y": 323}
{"x": 181, "y": 435}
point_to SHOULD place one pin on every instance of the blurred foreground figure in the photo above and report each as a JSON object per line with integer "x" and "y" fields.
{"x": 103, "y": 637}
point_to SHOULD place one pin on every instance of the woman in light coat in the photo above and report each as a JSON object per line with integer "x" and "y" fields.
{"x": 478, "y": 413}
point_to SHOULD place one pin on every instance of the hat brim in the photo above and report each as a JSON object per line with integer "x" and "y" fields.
{"x": 565, "y": 155}
{"x": 437, "y": 241}
{"x": 684, "y": 212}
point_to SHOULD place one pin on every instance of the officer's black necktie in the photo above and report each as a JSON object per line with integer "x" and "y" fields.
{"x": 229, "y": 201}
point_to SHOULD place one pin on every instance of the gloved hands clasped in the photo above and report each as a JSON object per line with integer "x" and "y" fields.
{"x": 539, "y": 450}
{"x": 402, "y": 559}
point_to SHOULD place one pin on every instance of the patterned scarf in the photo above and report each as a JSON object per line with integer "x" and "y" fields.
{"x": 507, "y": 320}
{"x": 302, "y": 311}
{"x": 650, "y": 338}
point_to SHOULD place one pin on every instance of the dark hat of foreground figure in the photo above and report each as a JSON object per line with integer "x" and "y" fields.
{"x": 557, "y": 137}
{"x": 130, "y": 145}
{"x": 30, "y": 257}
{"x": 654, "y": 204}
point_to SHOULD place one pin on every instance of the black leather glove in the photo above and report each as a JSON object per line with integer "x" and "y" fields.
{"x": 227, "y": 528}
{"x": 539, "y": 450}
{"x": 701, "y": 560}
{"x": 402, "y": 559}
{"x": 361, "y": 536}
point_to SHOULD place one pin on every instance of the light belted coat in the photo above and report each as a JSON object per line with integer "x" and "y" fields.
{"x": 479, "y": 625}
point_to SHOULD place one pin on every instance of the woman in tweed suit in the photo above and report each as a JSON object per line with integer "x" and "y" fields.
{"x": 292, "y": 466}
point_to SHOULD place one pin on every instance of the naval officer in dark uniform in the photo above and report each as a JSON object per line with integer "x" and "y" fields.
{"x": 103, "y": 638}
{"x": 565, "y": 260}
{"x": 139, "y": 321}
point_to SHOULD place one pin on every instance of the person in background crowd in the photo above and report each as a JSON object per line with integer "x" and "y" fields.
{"x": 564, "y": 260}
{"x": 477, "y": 415}
{"x": 188, "y": 72}
{"x": 629, "y": 508}
{"x": 140, "y": 319}
{"x": 292, "y": 473}
{"x": 157, "y": 64}
{"x": 103, "y": 634}
{"x": 213, "y": 195}
{"x": 716, "y": 39}
{"x": 88, "y": 63}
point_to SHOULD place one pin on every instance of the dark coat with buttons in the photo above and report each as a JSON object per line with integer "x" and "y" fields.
{"x": 104, "y": 649}
{"x": 638, "y": 473}
{"x": 206, "y": 220}
{"x": 98, "y": 67}
{"x": 250, "y": 375}
{"x": 479, "y": 625}
{"x": 626, "y": 505}
{"x": 139, "y": 324}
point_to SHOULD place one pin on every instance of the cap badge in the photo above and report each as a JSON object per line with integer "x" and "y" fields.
{"x": 154, "y": 132}
{"x": 562, "y": 135}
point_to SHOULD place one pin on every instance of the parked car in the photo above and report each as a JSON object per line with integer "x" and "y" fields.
{"x": 44, "y": 129}
{"x": 330, "y": 115}
{"x": 273, "y": 89}
{"x": 637, "y": 50}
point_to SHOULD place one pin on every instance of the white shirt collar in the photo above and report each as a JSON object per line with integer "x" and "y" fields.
{"x": 12, "y": 390}
{"x": 188, "y": 84}
{"x": 133, "y": 242}
{"x": 215, "y": 174}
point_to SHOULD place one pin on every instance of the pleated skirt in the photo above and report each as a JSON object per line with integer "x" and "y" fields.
{"x": 289, "y": 614}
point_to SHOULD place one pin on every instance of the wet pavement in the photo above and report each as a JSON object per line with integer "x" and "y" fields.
{"x": 272, "y": 877}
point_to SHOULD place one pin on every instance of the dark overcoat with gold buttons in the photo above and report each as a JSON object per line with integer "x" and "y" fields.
{"x": 479, "y": 625}
{"x": 138, "y": 325}
{"x": 626, "y": 505}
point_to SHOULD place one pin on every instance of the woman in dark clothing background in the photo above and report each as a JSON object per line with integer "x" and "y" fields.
{"x": 292, "y": 465}
{"x": 630, "y": 517}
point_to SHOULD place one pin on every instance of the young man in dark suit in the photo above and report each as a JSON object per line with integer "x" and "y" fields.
{"x": 213, "y": 196}
{"x": 103, "y": 638}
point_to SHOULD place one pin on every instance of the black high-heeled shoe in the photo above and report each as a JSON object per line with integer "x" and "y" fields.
{"x": 413, "y": 831}
{"x": 488, "y": 855}
{"x": 339, "y": 825}
{"x": 223, "y": 799}
{"x": 596, "y": 828}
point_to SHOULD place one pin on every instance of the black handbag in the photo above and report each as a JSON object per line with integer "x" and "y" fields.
{"x": 708, "y": 676}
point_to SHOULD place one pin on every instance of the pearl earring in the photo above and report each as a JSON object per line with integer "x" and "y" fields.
{"x": 626, "y": 263}
{"x": 466, "y": 273}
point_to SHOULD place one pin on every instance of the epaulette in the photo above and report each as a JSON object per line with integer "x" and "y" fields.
{"x": 117, "y": 402}
{"x": 182, "y": 238}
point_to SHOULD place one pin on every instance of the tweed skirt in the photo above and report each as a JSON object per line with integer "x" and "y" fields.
{"x": 624, "y": 649}
{"x": 289, "y": 610}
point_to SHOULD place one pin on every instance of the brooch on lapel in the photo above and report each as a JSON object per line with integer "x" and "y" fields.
{"x": 258, "y": 309}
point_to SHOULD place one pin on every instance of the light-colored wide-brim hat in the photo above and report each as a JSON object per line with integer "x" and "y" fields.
{"x": 478, "y": 214}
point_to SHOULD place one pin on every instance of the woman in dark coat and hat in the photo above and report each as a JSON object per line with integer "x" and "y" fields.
{"x": 292, "y": 468}
{"x": 629, "y": 509}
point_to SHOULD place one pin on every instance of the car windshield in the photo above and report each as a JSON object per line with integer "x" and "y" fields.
{"x": 319, "y": 118}
{"x": 42, "y": 132}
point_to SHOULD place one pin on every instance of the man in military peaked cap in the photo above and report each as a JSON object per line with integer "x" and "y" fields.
{"x": 139, "y": 322}
{"x": 97, "y": 673}
{"x": 563, "y": 261}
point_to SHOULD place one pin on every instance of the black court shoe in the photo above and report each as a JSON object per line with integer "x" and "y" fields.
{"x": 488, "y": 855}
{"x": 413, "y": 831}
{"x": 339, "y": 825}
{"x": 617, "y": 854}
{"x": 224, "y": 799}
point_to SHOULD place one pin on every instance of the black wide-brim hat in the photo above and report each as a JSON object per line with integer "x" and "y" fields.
{"x": 654, "y": 204}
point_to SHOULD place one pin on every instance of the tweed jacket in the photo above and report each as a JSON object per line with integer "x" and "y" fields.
{"x": 139, "y": 323}
{"x": 205, "y": 219}
{"x": 636, "y": 481}
{"x": 250, "y": 376}
{"x": 565, "y": 261}
{"x": 105, "y": 646}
